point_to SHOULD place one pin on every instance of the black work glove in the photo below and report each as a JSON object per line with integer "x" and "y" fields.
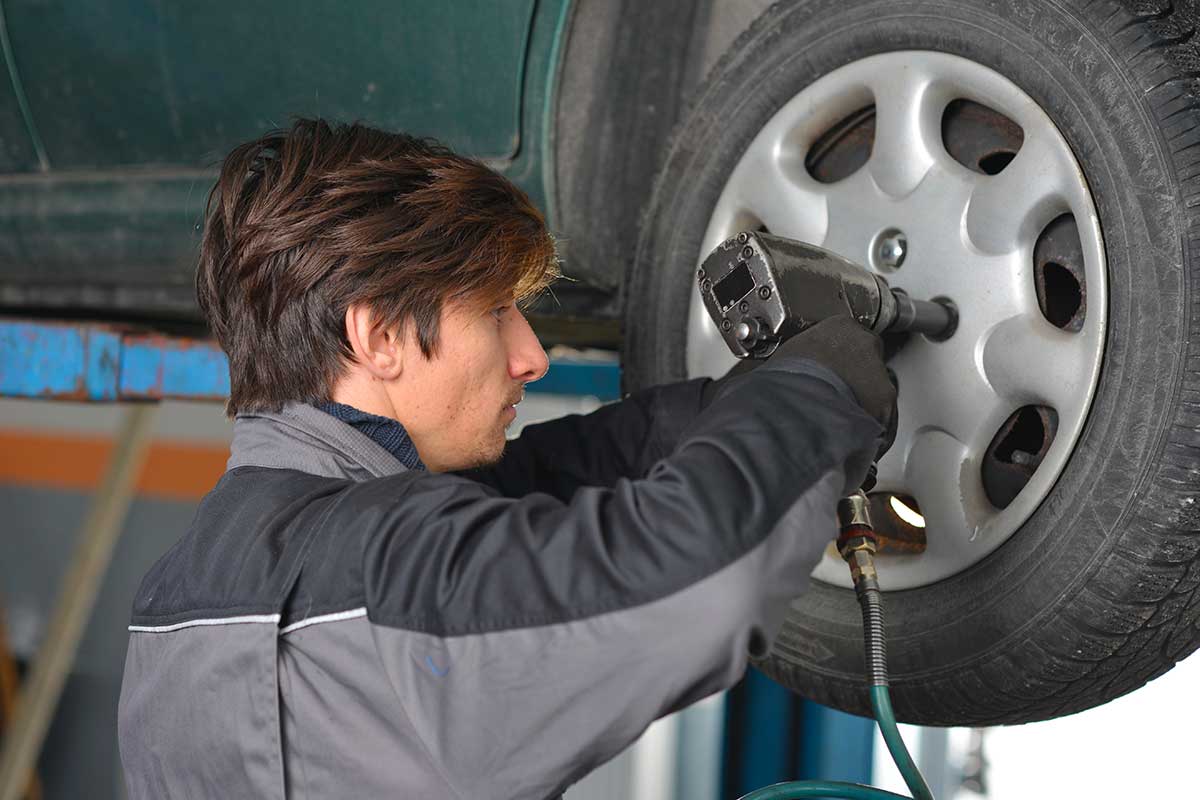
{"x": 852, "y": 353}
{"x": 855, "y": 355}
{"x": 846, "y": 349}
{"x": 889, "y": 432}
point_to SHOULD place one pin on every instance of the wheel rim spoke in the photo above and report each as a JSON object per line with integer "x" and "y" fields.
{"x": 1028, "y": 361}
{"x": 772, "y": 186}
{"x": 944, "y": 479}
{"x": 907, "y": 122}
{"x": 1007, "y": 210}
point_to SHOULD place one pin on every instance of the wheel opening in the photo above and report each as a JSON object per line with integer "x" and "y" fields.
{"x": 1016, "y": 451}
{"x": 898, "y": 523}
{"x": 994, "y": 163}
{"x": 843, "y": 149}
{"x": 1059, "y": 276}
{"x": 1062, "y": 293}
{"x": 980, "y": 138}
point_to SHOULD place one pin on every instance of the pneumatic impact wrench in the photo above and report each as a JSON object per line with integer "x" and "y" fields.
{"x": 760, "y": 290}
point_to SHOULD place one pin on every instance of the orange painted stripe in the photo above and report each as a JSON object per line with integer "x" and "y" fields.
{"x": 173, "y": 470}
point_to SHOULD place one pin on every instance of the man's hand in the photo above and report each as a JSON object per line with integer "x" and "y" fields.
{"x": 847, "y": 350}
{"x": 852, "y": 353}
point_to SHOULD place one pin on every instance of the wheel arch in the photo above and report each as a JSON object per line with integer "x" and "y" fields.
{"x": 627, "y": 73}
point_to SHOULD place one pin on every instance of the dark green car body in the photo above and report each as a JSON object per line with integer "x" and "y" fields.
{"x": 115, "y": 115}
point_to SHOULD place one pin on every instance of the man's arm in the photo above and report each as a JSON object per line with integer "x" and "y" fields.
{"x": 620, "y": 440}
{"x": 529, "y": 640}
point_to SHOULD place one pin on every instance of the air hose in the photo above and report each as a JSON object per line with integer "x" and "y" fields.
{"x": 857, "y": 544}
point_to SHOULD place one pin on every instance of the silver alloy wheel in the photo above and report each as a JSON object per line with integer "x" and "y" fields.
{"x": 969, "y": 237}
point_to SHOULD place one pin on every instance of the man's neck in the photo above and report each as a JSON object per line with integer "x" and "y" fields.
{"x": 363, "y": 394}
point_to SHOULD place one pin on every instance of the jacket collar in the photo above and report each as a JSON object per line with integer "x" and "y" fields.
{"x": 307, "y": 439}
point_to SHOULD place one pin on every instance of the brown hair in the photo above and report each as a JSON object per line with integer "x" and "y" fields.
{"x": 303, "y": 223}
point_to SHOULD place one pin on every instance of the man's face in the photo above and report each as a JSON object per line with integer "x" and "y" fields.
{"x": 457, "y": 405}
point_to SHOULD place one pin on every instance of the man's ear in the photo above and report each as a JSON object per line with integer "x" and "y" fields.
{"x": 378, "y": 349}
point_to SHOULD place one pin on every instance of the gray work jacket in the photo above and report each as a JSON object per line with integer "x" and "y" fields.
{"x": 335, "y": 626}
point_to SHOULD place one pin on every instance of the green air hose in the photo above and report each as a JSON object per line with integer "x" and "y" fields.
{"x": 857, "y": 546}
{"x": 882, "y": 705}
{"x": 796, "y": 789}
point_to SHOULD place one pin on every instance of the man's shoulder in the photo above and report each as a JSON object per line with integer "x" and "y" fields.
{"x": 241, "y": 552}
{"x": 275, "y": 541}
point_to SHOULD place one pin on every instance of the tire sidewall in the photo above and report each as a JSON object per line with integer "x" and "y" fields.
{"x": 1058, "y": 55}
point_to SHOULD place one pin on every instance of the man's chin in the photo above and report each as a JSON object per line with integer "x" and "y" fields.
{"x": 485, "y": 456}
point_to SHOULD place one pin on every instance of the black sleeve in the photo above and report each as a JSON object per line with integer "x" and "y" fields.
{"x": 620, "y": 440}
{"x": 473, "y": 556}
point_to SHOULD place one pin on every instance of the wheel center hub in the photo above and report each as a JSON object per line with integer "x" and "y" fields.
{"x": 889, "y": 249}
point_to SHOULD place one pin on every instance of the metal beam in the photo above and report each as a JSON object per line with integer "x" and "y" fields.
{"x": 95, "y": 362}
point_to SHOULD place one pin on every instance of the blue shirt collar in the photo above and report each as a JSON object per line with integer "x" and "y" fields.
{"x": 384, "y": 431}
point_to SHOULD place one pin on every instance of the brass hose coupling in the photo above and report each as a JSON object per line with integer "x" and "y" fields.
{"x": 857, "y": 542}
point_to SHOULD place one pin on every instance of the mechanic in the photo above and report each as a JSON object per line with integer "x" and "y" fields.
{"x": 380, "y": 598}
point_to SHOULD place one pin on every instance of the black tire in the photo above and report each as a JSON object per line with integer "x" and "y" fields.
{"x": 1098, "y": 592}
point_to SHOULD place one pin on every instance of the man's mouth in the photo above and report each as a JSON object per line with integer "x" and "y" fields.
{"x": 516, "y": 398}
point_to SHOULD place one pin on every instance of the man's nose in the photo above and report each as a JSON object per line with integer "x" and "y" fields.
{"x": 527, "y": 361}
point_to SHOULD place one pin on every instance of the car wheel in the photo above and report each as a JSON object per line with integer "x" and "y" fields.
{"x": 1037, "y": 163}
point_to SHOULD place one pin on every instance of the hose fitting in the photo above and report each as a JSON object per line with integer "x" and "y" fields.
{"x": 857, "y": 544}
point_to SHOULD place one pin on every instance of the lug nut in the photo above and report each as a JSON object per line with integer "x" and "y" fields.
{"x": 1024, "y": 459}
{"x": 764, "y": 292}
{"x": 747, "y": 252}
{"x": 726, "y": 324}
{"x": 743, "y": 306}
{"x": 743, "y": 237}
